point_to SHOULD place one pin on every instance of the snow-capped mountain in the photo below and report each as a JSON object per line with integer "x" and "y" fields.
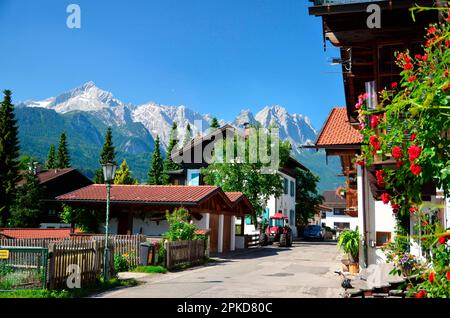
{"x": 86, "y": 111}
{"x": 294, "y": 127}
{"x": 87, "y": 98}
{"x": 158, "y": 120}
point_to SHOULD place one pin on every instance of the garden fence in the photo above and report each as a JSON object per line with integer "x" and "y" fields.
{"x": 23, "y": 267}
{"x": 72, "y": 259}
{"x": 181, "y": 252}
{"x": 81, "y": 254}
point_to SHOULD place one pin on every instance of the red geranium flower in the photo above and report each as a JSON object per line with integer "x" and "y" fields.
{"x": 395, "y": 207}
{"x": 421, "y": 294}
{"x": 385, "y": 198}
{"x": 413, "y": 136}
{"x": 413, "y": 210}
{"x": 425, "y": 58}
{"x": 414, "y": 152}
{"x": 412, "y": 78}
{"x": 375, "y": 121}
{"x": 442, "y": 239}
{"x": 397, "y": 152}
{"x": 431, "y": 30}
{"x": 431, "y": 277}
{"x": 380, "y": 178}
{"x": 448, "y": 275}
{"x": 408, "y": 66}
{"x": 375, "y": 143}
{"x": 415, "y": 169}
{"x": 394, "y": 85}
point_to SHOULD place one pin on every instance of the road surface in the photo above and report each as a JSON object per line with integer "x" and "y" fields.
{"x": 304, "y": 270}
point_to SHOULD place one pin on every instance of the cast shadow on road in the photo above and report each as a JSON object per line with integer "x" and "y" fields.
{"x": 251, "y": 253}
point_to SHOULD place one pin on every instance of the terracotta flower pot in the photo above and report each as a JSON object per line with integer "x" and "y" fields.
{"x": 354, "y": 268}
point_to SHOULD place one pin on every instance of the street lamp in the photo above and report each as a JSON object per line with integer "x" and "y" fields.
{"x": 109, "y": 172}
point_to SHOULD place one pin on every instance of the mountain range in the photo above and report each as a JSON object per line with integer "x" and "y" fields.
{"x": 85, "y": 112}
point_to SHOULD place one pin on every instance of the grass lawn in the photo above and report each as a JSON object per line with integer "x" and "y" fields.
{"x": 70, "y": 293}
{"x": 150, "y": 269}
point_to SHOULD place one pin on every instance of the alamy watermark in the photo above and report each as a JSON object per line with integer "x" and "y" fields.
{"x": 374, "y": 19}
{"x": 232, "y": 145}
{"x": 74, "y": 278}
{"x": 73, "y": 21}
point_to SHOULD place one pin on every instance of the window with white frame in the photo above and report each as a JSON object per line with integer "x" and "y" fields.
{"x": 292, "y": 188}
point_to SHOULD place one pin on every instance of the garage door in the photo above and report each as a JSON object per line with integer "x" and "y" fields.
{"x": 214, "y": 226}
{"x": 226, "y": 232}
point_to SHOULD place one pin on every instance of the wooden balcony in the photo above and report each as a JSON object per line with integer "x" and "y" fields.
{"x": 351, "y": 198}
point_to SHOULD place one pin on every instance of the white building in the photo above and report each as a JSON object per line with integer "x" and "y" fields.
{"x": 190, "y": 174}
{"x": 336, "y": 218}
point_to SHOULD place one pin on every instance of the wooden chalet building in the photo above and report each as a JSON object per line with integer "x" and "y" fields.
{"x": 141, "y": 209}
{"x": 368, "y": 63}
{"x": 55, "y": 182}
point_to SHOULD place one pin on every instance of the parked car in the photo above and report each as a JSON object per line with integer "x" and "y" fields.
{"x": 314, "y": 232}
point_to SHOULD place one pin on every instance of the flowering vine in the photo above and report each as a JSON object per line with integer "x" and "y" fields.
{"x": 407, "y": 138}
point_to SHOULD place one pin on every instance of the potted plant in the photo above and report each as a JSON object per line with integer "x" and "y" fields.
{"x": 348, "y": 242}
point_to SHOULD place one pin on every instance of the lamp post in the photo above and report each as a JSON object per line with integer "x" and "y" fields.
{"x": 109, "y": 172}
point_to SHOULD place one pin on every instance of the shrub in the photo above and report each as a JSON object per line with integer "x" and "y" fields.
{"x": 179, "y": 227}
{"x": 121, "y": 263}
{"x": 348, "y": 241}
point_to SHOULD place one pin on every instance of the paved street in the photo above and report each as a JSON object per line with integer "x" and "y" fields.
{"x": 305, "y": 270}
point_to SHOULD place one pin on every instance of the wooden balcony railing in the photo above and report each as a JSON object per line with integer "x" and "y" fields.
{"x": 351, "y": 198}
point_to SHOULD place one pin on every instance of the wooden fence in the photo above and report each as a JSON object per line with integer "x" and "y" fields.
{"x": 87, "y": 256}
{"x": 123, "y": 244}
{"x": 85, "y": 251}
{"x": 181, "y": 252}
{"x": 26, "y": 242}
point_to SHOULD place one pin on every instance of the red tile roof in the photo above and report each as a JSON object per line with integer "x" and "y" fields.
{"x": 234, "y": 196}
{"x": 337, "y": 130}
{"x": 142, "y": 193}
{"x": 23, "y": 233}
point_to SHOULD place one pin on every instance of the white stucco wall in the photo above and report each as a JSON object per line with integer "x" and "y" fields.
{"x": 149, "y": 227}
{"x": 377, "y": 216}
{"x": 331, "y": 219}
{"x": 203, "y": 223}
{"x": 285, "y": 203}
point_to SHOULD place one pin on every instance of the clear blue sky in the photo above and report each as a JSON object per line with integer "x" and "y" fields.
{"x": 215, "y": 56}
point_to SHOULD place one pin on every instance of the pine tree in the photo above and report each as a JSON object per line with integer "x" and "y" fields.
{"x": 9, "y": 157}
{"x": 156, "y": 174}
{"x": 187, "y": 135}
{"x": 214, "y": 124}
{"x": 169, "y": 165}
{"x": 108, "y": 154}
{"x": 63, "y": 153}
{"x": 123, "y": 175}
{"x": 51, "y": 158}
{"x": 27, "y": 208}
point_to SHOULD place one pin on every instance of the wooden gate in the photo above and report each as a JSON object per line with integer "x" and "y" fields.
{"x": 214, "y": 226}
{"x": 226, "y": 232}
